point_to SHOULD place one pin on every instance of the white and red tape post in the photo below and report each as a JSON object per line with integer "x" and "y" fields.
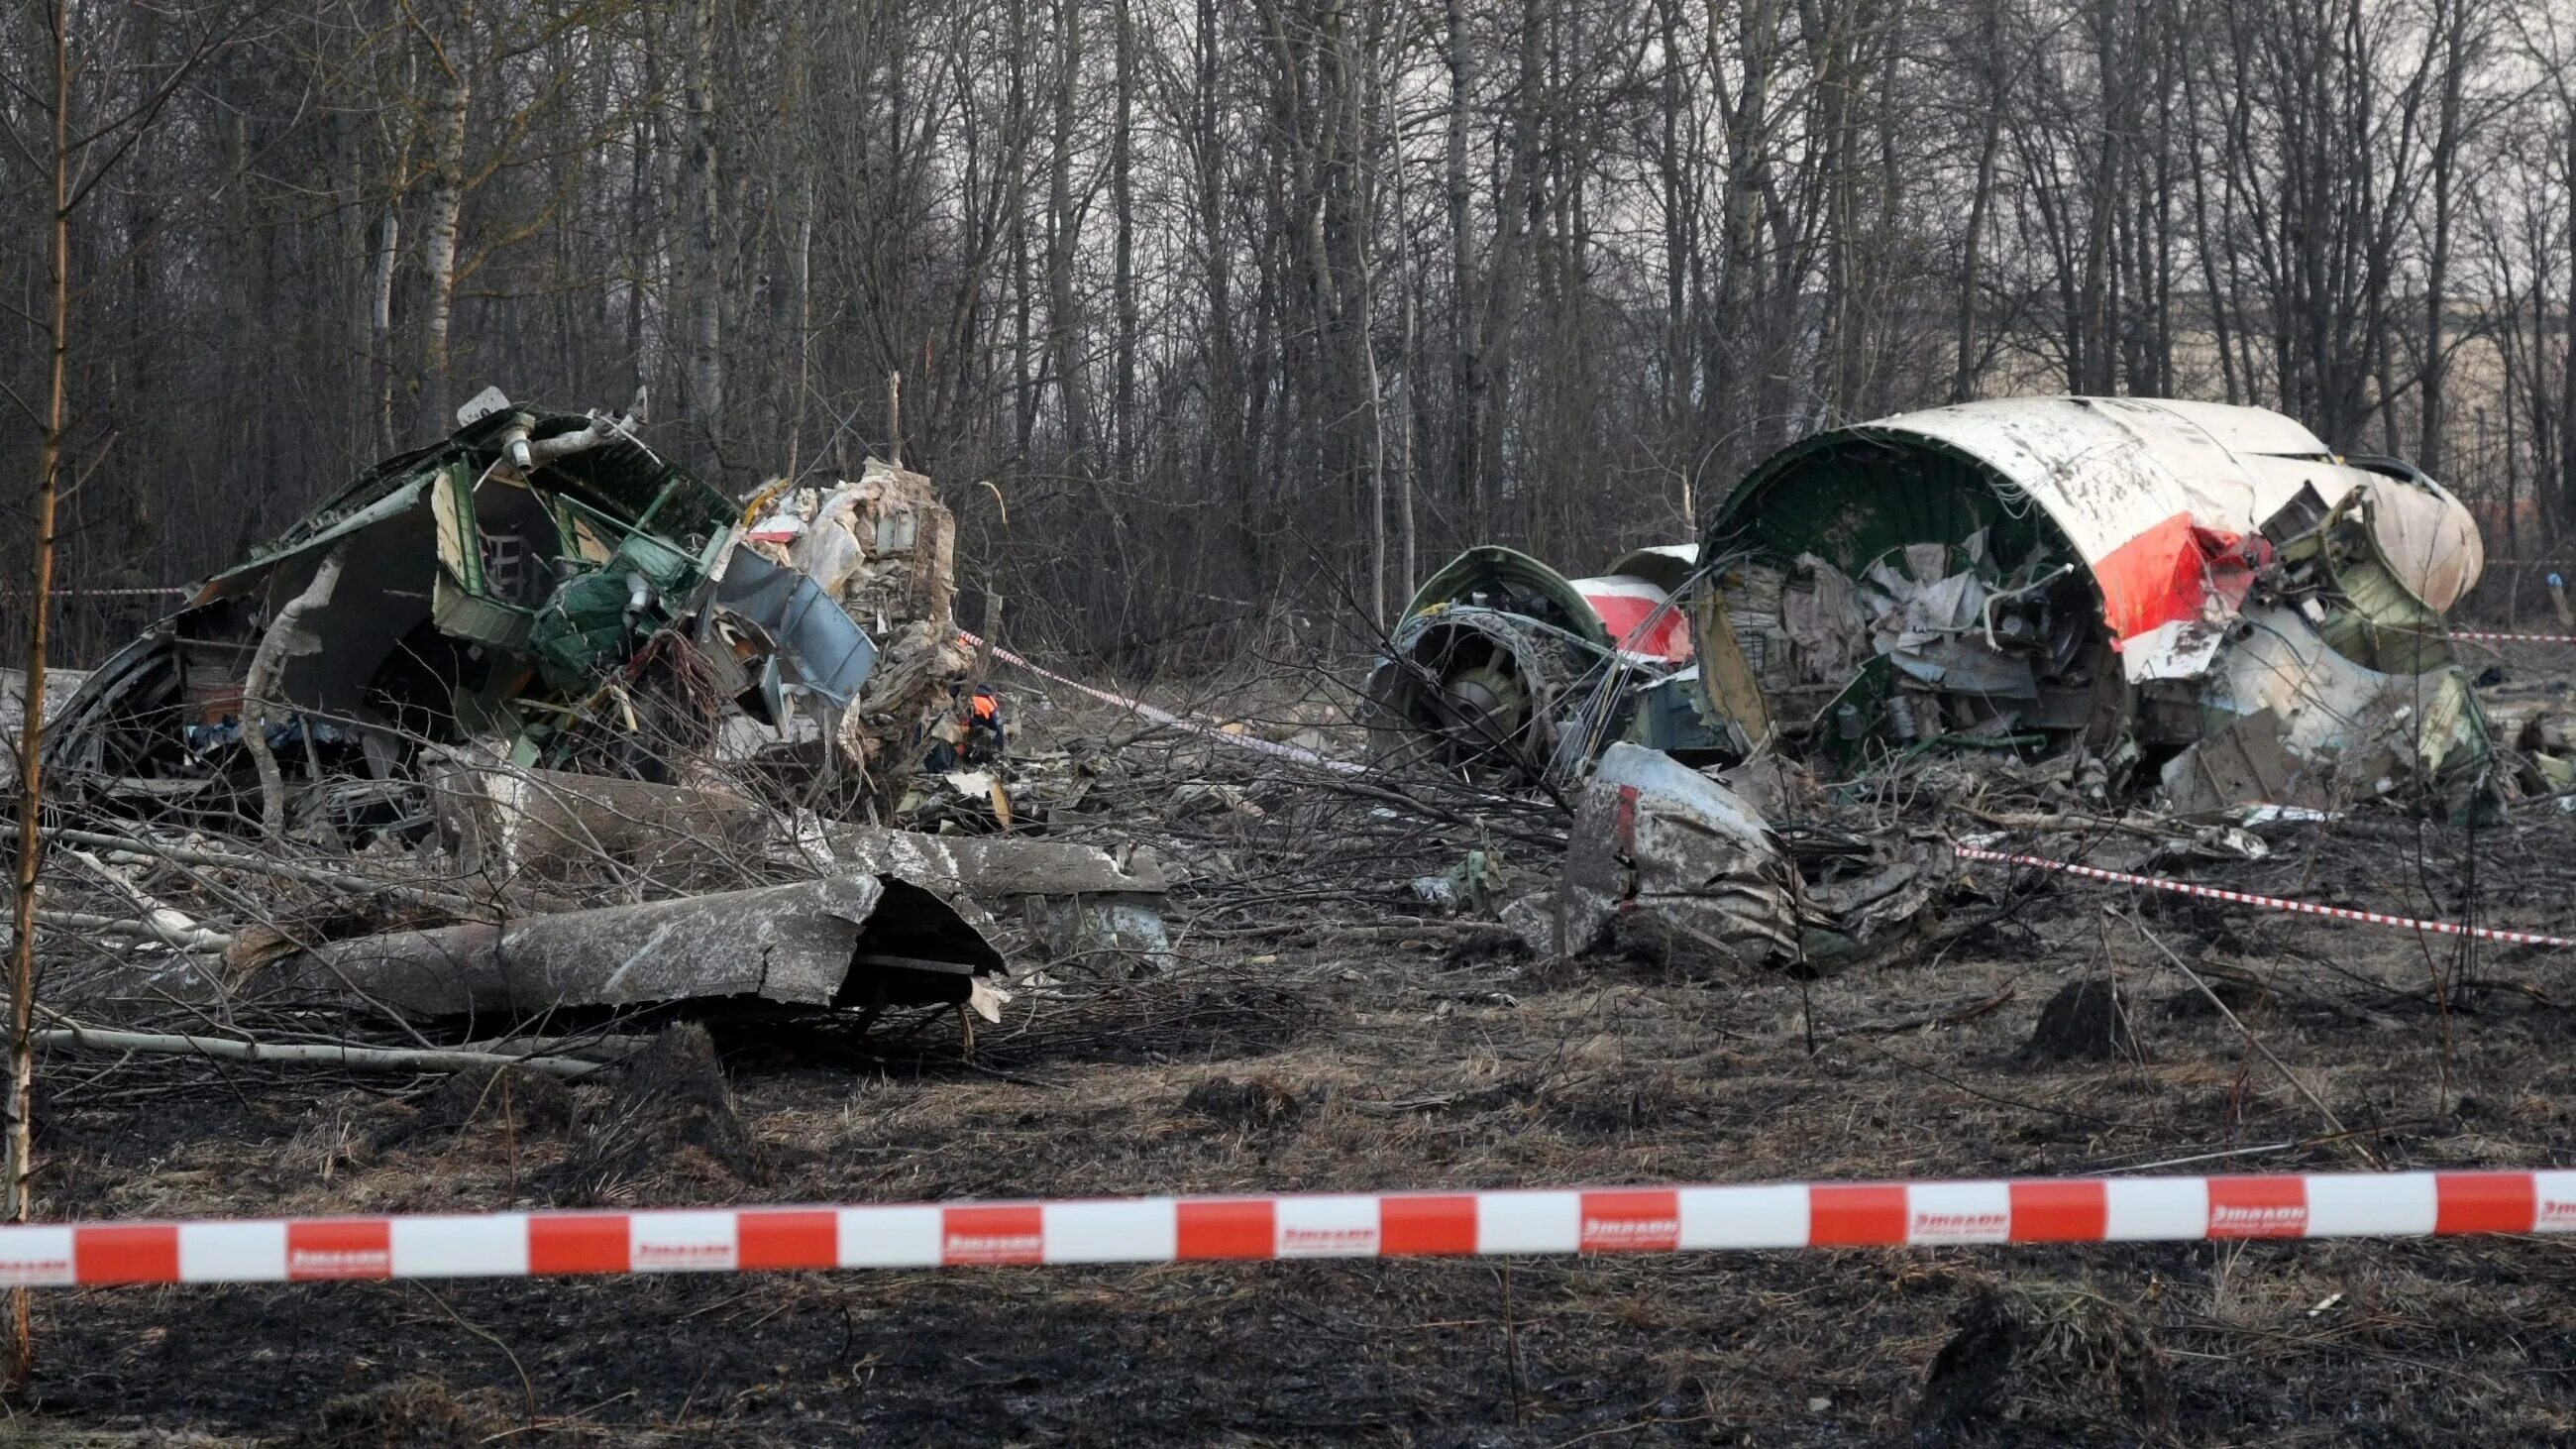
{"x": 1388, "y": 1225}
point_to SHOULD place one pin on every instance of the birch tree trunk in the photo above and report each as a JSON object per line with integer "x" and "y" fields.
{"x": 20, "y": 1156}
{"x": 454, "y": 88}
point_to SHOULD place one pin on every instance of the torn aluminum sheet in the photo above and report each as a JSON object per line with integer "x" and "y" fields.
{"x": 1504, "y": 666}
{"x": 849, "y": 941}
{"x": 560, "y": 831}
{"x": 2363, "y": 725}
{"x": 827, "y": 652}
{"x": 2242, "y": 760}
{"x": 1653, "y": 839}
{"x": 2040, "y": 573}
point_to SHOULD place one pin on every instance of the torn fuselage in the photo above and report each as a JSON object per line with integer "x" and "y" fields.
{"x": 2123, "y": 576}
{"x": 2126, "y": 574}
{"x": 542, "y": 585}
{"x": 1502, "y": 666}
{"x": 481, "y": 586}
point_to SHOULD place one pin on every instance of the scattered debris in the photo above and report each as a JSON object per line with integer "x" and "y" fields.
{"x": 505, "y": 793}
{"x": 1474, "y": 884}
{"x": 546, "y": 588}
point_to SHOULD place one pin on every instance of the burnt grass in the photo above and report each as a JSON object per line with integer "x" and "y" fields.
{"x": 1349, "y": 1061}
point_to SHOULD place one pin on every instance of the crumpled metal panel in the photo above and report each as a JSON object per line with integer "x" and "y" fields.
{"x": 829, "y": 652}
{"x": 829, "y": 942}
{"x": 2333, "y": 709}
{"x": 2429, "y": 541}
{"x": 1651, "y": 835}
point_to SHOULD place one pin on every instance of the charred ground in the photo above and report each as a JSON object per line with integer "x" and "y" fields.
{"x": 1318, "y": 1032}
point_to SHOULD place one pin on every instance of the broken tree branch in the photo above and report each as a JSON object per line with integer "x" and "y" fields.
{"x": 283, "y": 870}
{"x": 2255, "y": 1042}
{"x": 176, "y": 937}
{"x": 354, "y": 1058}
{"x": 1951, "y": 1015}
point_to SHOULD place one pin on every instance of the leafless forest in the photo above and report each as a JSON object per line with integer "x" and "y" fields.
{"x": 1250, "y": 311}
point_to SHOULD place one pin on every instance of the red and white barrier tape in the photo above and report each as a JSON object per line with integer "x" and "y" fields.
{"x": 1365, "y": 1225}
{"x": 2305, "y": 908}
{"x": 112, "y": 593}
{"x": 2509, "y": 638}
{"x": 1299, "y": 753}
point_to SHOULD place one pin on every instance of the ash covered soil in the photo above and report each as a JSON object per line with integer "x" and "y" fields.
{"x": 1318, "y": 1033}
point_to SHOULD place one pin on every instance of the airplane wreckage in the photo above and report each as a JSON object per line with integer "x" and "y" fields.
{"x": 540, "y": 654}
{"x": 2191, "y": 601}
{"x": 524, "y": 644}
{"x": 2200, "y": 592}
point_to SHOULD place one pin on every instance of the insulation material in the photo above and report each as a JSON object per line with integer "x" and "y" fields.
{"x": 1825, "y": 616}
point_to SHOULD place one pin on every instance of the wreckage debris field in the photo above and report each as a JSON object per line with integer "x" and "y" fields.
{"x": 664, "y": 848}
{"x": 1315, "y": 1032}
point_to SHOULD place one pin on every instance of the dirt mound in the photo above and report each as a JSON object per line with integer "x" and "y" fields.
{"x": 2086, "y": 1021}
{"x": 2044, "y": 1362}
{"x": 1259, "y": 1104}
{"x": 1642, "y": 940}
{"x": 669, "y": 1129}
{"x": 410, "y": 1413}
{"x": 499, "y": 1099}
